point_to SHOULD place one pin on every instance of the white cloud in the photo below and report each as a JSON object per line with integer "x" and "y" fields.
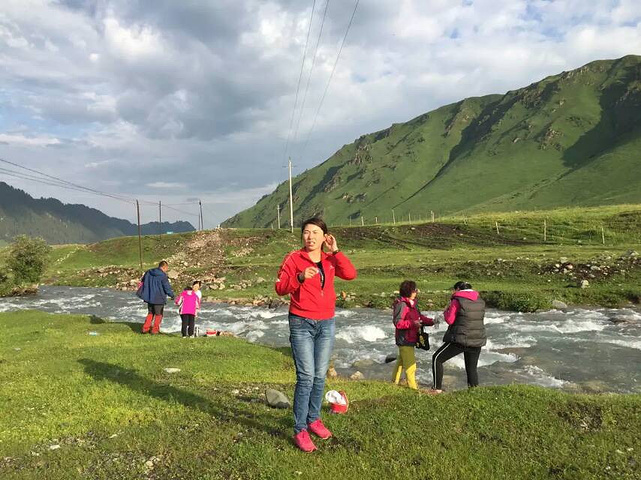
{"x": 22, "y": 140}
{"x": 166, "y": 185}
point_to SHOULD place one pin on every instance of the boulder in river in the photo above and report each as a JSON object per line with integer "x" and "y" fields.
{"x": 357, "y": 376}
{"x": 625, "y": 319}
{"x": 391, "y": 358}
{"x": 363, "y": 363}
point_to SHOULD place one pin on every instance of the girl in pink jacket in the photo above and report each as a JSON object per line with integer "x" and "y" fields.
{"x": 188, "y": 305}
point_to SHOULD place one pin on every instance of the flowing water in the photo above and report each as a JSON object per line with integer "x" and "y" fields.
{"x": 596, "y": 350}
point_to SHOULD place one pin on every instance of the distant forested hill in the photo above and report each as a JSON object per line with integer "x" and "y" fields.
{"x": 572, "y": 139}
{"x": 57, "y": 222}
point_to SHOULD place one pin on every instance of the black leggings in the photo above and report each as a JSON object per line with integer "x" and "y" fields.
{"x": 188, "y": 321}
{"x": 450, "y": 350}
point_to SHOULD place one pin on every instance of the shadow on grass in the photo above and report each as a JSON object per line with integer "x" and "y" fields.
{"x": 133, "y": 326}
{"x": 224, "y": 410}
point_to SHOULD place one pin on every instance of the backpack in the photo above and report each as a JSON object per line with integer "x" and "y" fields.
{"x": 423, "y": 341}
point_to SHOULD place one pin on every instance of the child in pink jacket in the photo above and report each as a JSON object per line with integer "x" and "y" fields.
{"x": 188, "y": 305}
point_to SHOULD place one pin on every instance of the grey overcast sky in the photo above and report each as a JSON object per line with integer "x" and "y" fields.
{"x": 176, "y": 100}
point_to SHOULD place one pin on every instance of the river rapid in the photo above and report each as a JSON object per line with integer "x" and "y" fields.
{"x": 579, "y": 350}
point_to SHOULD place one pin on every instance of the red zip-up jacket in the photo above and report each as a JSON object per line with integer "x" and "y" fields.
{"x": 308, "y": 299}
{"x": 407, "y": 319}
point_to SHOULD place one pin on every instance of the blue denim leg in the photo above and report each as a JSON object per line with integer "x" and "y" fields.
{"x": 312, "y": 342}
{"x": 323, "y": 346}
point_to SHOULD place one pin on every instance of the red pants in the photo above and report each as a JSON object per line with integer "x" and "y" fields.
{"x": 147, "y": 325}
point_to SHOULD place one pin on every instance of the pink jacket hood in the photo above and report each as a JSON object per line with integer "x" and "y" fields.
{"x": 469, "y": 294}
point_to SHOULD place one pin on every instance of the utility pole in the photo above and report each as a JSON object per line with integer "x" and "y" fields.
{"x": 278, "y": 213}
{"x": 202, "y": 220}
{"x": 291, "y": 197}
{"x": 159, "y": 219}
{"x": 139, "y": 234}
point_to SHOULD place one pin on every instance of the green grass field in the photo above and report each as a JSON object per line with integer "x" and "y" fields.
{"x": 101, "y": 406}
{"x": 514, "y": 268}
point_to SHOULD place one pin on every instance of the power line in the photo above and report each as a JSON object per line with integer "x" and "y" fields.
{"x": 51, "y": 180}
{"x": 24, "y": 176}
{"x": 180, "y": 211}
{"x": 97, "y": 192}
{"x": 329, "y": 81}
{"x": 311, "y": 71}
{"x": 300, "y": 77}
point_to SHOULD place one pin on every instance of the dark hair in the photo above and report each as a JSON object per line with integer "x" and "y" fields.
{"x": 461, "y": 285}
{"x": 163, "y": 263}
{"x": 187, "y": 288}
{"x": 406, "y": 288}
{"x": 195, "y": 282}
{"x": 314, "y": 221}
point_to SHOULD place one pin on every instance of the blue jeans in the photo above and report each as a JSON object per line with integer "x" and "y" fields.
{"x": 312, "y": 343}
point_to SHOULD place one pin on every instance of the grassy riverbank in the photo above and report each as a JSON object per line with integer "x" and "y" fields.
{"x": 101, "y": 406}
{"x": 516, "y": 269}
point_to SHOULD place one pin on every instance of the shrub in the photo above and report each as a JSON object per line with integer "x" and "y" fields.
{"x": 28, "y": 258}
{"x": 518, "y": 302}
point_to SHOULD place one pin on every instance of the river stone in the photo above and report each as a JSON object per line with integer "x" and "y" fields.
{"x": 171, "y": 370}
{"x": 332, "y": 373}
{"x": 584, "y": 284}
{"x": 357, "y": 376}
{"x": 623, "y": 319}
{"x": 559, "y": 305}
{"x": 277, "y": 399}
{"x": 390, "y": 358}
{"x": 363, "y": 363}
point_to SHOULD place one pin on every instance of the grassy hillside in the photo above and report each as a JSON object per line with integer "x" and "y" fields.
{"x": 514, "y": 268}
{"x": 104, "y": 408}
{"x": 60, "y": 223}
{"x": 569, "y": 140}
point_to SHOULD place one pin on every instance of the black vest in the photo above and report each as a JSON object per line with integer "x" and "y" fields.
{"x": 468, "y": 328}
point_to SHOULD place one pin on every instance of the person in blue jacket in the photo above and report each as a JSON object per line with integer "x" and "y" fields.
{"x": 155, "y": 290}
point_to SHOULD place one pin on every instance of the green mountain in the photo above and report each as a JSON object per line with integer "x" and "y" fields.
{"x": 572, "y": 139}
{"x": 57, "y": 222}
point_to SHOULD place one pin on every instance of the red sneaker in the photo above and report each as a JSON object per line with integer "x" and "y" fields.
{"x": 302, "y": 441}
{"x": 320, "y": 430}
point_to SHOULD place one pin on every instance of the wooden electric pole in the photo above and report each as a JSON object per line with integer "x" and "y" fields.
{"x": 139, "y": 234}
{"x": 291, "y": 197}
{"x": 202, "y": 220}
{"x": 160, "y": 219}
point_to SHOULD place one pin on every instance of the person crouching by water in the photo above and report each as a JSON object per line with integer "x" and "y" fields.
{"x": 465, "y": 334}
{"x": 155, "y": 290}
{"x": 407, "y": 320}
{"x": 307, "y": 275}
{"x": 188, "y": 305}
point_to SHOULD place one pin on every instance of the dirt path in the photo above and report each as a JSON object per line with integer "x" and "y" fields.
{"x": 204, "y": 252}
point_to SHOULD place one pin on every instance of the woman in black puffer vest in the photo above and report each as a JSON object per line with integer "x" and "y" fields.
{"x": 465, "y": 334}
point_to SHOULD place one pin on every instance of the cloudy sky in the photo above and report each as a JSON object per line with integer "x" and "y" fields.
{"x": 176, "y": 100}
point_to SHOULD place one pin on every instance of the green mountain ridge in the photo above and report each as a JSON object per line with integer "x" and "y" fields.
{"x": 572, "y": 139}
{"x": 58, "y": 223}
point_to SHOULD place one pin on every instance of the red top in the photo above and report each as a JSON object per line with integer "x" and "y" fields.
{"x": 308, "y": 299}
{"x": 407, "y": 320}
